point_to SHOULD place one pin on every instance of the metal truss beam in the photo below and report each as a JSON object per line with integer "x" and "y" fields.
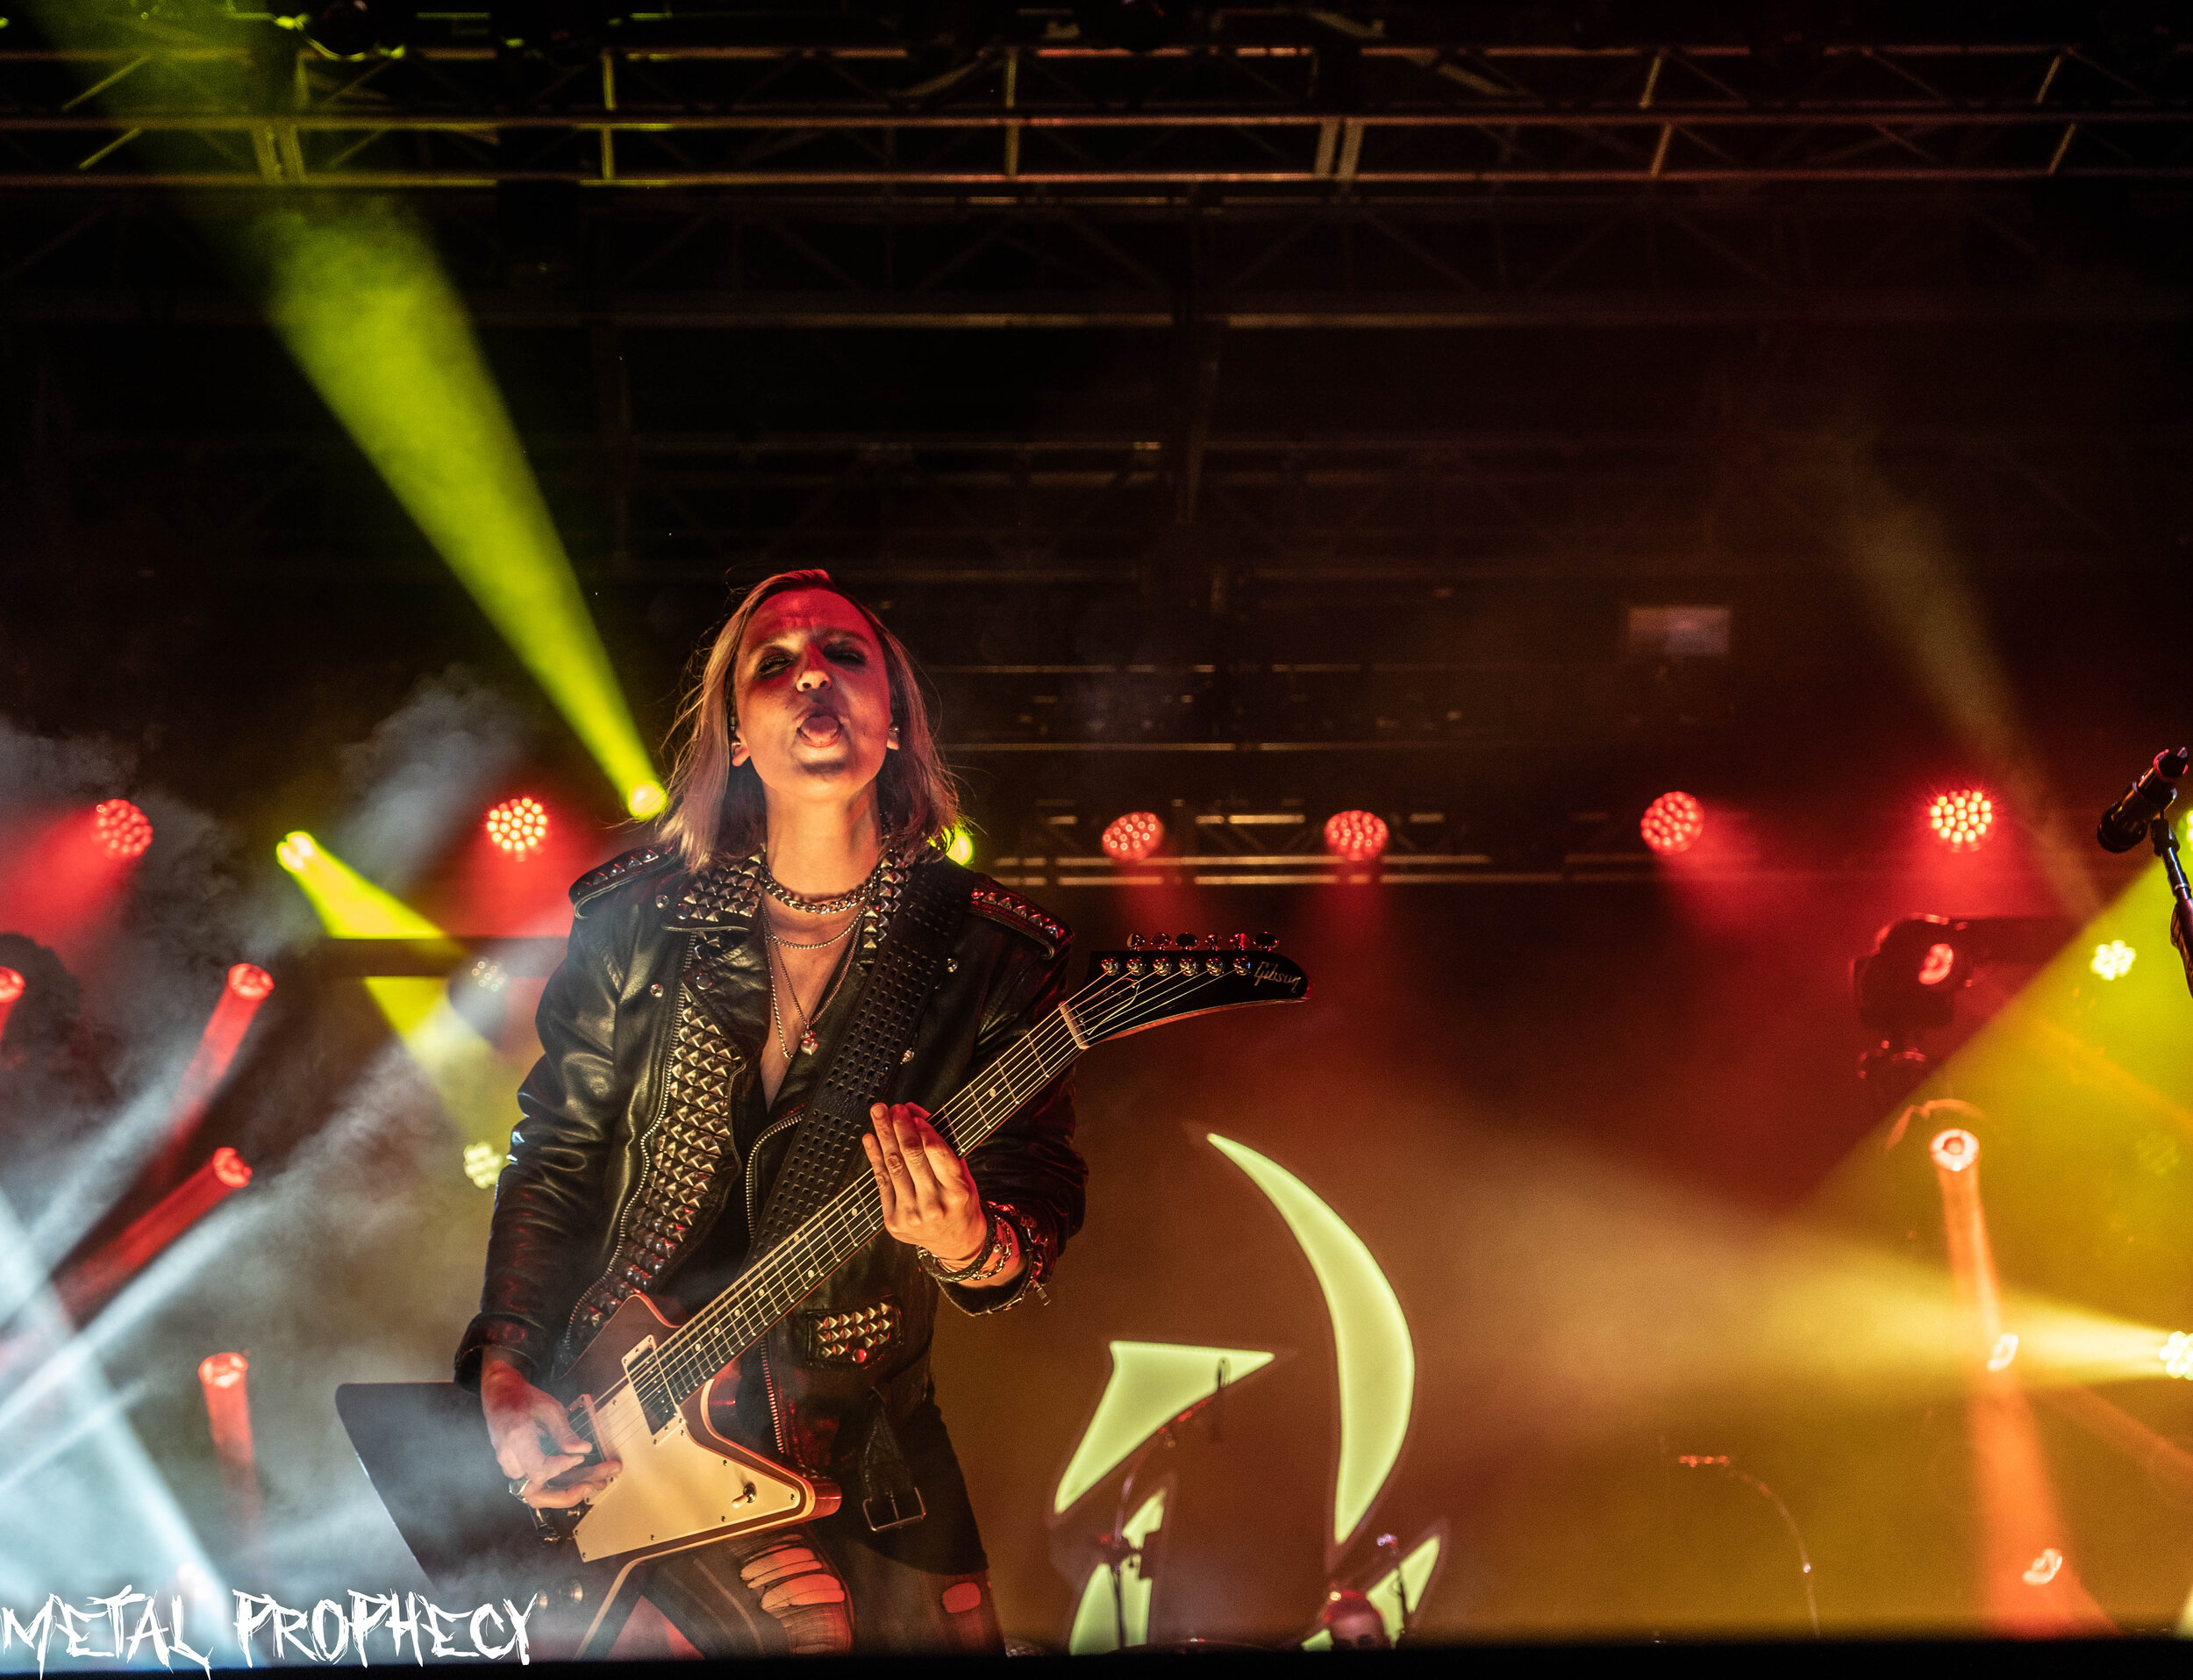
{"x": 1270, "y": 99}
{"x": 691, "y": 261}
{"x": 1276, "y": 520}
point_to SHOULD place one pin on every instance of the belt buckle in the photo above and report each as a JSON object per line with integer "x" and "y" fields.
{"x": 867, "y": 1510}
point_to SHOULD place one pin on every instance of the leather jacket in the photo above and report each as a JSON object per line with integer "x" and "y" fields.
{"x": 597, "y": 1109}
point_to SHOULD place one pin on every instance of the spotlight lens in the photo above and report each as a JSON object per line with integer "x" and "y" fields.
{"x": 483, "y": 1164}
{"x": 1672, "y": 824}
{"x": 1939, "y": 964}
{"x": 2113, "y": 961}
{"x": 10, "y": 985}
{"x": 1954, "y": 1150}
{"x": 122, "y": 830}
{"x": 959, "y": 845}
{"x": 296, "y": 851}
{"x": 1133, "y": 836}
{"x": 250, "y": 981}
{"x": 646, "y": 799}
{"x": 1961, "y": 820}
{"x": 2176, "y": 1354}
{"x": 519, "y": 826}
{"x": 230, "y": 1168}
{"x": 223, "y": 1370}
{"x": 1357, "y": 836}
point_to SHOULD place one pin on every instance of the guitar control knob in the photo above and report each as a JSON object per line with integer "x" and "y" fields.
{"x": 1110, "y": 965}
{"x": 1240, "y": 965}
{"x": 1135, "y": 965}
{"x": 1161, "y": 965}
{"x": 1214, "y": 965}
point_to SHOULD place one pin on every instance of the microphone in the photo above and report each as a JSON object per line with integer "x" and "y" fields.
{"x": 2124, "y": 823}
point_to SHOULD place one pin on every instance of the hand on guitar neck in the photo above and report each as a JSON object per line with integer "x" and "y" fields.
{"x": 533, "y": 1439}
{"x": 930, "y": 1200}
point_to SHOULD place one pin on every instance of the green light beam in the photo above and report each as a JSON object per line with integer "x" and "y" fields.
{"x": 1376, "y": 1360}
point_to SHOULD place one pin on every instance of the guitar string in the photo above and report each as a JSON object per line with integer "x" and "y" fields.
{"x": 680, "y": 1363}
{"x": 854, "y": 1214}
{"x": 1019, "y": 1082}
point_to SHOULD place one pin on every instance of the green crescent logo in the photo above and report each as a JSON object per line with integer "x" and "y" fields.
{"x": 1152, "y": 1383}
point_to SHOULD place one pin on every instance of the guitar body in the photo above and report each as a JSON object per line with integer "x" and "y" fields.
{"x": 683, "y": 1482}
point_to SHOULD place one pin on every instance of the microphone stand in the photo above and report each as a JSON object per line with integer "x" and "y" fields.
{"x": 2164, "y": 839}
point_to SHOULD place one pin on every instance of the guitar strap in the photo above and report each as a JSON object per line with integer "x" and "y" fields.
{"x": 874, "y": 1041}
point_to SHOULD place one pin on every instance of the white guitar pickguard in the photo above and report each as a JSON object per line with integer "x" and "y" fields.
{"x": 674, "y": 1492}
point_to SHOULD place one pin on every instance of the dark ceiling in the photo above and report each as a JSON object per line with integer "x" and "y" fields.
{"x": 1288, "y": 413}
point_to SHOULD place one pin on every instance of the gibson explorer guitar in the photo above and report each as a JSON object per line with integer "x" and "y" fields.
{"x": 640, "y": 1390}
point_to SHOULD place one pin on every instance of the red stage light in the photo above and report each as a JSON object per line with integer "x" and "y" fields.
{"x": 94, "y": 1280}
{"x": 250, "y": 981}
{"x": 225, "y": 1381}
{"x": 518, "y": 826}
{"x": 230, "y": 1168}
{"x": 1133, "y": 836}
{"x": 223, "y": 1370}
{"x": 10, "y": 985}
{"x": 1358, "y": 836}
{"x": 1672, "y": 824}
{"x": 123, "y": 831}
{"x": 1961, "y": 820}
{"x": 1954, "y": 1150}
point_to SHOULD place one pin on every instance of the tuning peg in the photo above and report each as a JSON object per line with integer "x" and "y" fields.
{"x": 1237, "y": 942}
{"x": 1268, "y": 941}
{"x": 1214, "y": 941}
{"x": 1134, "y": 941}
{"x": 1187, "y": 941}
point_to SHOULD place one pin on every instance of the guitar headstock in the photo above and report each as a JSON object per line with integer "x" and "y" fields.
{"x": 1162, "y": 977}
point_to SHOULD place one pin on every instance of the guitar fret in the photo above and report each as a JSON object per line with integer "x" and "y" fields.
{"x": 780, "y": 1280}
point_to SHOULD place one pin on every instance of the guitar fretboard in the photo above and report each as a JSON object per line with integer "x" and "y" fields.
{"x": 780, "y": 1280}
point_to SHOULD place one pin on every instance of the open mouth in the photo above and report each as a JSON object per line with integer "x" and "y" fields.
{"x": 820, "y": 729}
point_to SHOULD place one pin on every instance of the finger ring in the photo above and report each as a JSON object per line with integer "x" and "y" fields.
{"x": 517, "y": 1484}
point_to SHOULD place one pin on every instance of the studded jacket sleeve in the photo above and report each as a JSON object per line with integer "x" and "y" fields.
{"x": 548, "y": 1200}
{"x": 1029, "y": 1164}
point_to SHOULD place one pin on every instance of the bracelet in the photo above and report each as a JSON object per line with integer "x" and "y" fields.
{"x": 944, "y": 1274}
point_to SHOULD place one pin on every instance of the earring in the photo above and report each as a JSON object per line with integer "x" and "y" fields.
{"x": 891, "y": 739}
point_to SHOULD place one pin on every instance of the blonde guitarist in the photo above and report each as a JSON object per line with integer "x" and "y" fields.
{"x": 709, "y": 979}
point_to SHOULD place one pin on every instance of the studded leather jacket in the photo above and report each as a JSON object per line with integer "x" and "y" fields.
{"x": 625, "y": 1159}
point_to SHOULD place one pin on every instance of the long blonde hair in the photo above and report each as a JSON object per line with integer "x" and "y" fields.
{"x": 719, "y": 810}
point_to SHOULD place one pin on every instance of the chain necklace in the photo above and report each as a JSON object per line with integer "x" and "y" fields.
{"x": 819, "y": 945}
{"x": 833, "y": 905}
{"x": 808, "y": 1042}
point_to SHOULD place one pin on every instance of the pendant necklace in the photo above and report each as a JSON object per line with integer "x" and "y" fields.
{"x": 808, "y": 1042}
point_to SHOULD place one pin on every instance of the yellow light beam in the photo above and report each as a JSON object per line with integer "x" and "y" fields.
{"x": 477, "y": 1088}
{"x": 358, "y": 295}
{"x": 354, "y": 289}
{"x": 1376, "y": 1360}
